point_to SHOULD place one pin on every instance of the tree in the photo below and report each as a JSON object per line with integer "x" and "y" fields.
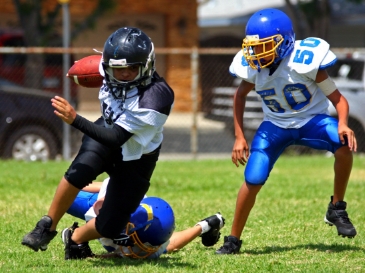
{"x": 311, "y": 17}
{"x": 40, "y": 31}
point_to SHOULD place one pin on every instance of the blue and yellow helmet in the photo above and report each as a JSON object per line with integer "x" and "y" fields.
{"x": 273, "y": 30}
{"x": 150, "y": 226}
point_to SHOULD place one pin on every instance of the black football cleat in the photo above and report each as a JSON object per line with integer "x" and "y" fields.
{"x": 211, "y": 237}
{"x": 337, "y": 216}
{"x": 40, "y": 236}
{"x": 231, "y": 245}
{"x": 75, "y": 251}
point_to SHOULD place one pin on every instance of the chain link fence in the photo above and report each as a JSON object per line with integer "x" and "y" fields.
{"x": 29, "y": 77}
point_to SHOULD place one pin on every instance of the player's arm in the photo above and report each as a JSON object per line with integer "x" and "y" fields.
{"x": 240, "y": 150}
{"x": 113, "y": 138}
{"x": 341, "y": 105}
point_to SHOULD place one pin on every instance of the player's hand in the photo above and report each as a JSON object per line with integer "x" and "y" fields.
{"x": 98, "y": 205}
{"x": 123, "y": 240}
{"x": 346, "y": 133}
{"x": 64, "y": 109}
{"x": 240, "y": 152}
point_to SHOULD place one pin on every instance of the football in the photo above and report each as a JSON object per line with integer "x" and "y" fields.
{"x": 85, "y": 72}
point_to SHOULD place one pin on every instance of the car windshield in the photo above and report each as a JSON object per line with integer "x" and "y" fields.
{"x": 347, "y": 68}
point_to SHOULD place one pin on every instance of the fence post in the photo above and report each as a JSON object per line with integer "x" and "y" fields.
{"x": 194, "y": 97}
{"x": 66, "y": 145}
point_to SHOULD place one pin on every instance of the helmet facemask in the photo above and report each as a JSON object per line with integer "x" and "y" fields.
{"x": 143, "y": 78}
{"x": 269, "y": 52}
{"x": 143, "y": 250}
{"x": 272, "y": 31}
{"x": 150, "y": 226}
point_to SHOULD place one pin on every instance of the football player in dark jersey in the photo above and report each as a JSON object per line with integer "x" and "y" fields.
{"x": 125, "y": 142}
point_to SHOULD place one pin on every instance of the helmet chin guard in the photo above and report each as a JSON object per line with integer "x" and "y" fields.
{"x": 140, "y": 250}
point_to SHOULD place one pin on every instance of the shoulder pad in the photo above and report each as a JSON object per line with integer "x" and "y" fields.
{"x": 310, "y": 55}
{"x": 157, "y": 96}
{"x": 329, "y": 60}
{"x": 240, "y": 68}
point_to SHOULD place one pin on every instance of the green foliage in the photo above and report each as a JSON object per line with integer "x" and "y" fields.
{"x": 102, "y": 7}
{"x": 285, "y": 232}
{"x": 40, "y": 30}
{"x": 312, "y": 10}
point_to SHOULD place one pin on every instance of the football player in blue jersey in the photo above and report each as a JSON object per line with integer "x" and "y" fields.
{"x": 291, "y": 78}
{"x": 125, "y": 142}
{"x": 150, "y": 229}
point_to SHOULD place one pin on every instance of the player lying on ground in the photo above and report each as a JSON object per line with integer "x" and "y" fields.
{"x": 150, "y": 231}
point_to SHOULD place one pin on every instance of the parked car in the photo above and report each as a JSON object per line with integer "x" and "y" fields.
{"x": 29, "y": 130}
{"x": 348, "y": 74}
{"x": 13, "y": 66}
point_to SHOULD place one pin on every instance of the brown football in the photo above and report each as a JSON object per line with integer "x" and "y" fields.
{"x": 85, "y": 72}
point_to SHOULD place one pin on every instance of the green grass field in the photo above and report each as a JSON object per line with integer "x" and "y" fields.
{"x": 285, "y": 232}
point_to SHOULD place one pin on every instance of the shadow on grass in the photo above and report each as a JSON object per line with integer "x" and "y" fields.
{"x": 167, "y": 262}
{"x": 316, "y": 247}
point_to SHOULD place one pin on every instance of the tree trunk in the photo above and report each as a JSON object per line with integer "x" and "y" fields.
{"x": 310, "y": 18}
{"x": 29, "y": 17}
{"x": 34, "y": 71}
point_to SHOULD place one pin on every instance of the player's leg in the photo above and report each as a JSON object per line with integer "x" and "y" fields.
{"x": 82, "y": 203}
{"x": 342, "y": 168}
{"x": 81, "y": 173}
{"x": 129, "y": 181}
{"x": 208, "y": 229}
{"x": 269, "y": 142}
{"x": 88, "y": 164}
{"x": 64, "y": 196}
{"x": 322, "y": 133}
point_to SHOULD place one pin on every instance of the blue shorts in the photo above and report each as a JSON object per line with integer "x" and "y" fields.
{"x": 83, "y": 201}
{"x": 320, "y": 133}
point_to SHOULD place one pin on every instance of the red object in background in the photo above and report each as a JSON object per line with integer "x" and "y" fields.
{"x": 12, "y": 66}
{"x": 85, "y": 72}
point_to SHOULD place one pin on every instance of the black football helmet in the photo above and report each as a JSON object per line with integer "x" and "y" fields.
{"x": 126, "y": 47}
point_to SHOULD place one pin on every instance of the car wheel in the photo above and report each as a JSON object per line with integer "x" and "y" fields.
{"x": 31, "y": 143}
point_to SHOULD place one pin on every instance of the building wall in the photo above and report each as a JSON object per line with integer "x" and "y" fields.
{"x": 168, "y": 23}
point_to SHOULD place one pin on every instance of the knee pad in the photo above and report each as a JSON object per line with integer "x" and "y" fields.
{"x": 258, "y": 168}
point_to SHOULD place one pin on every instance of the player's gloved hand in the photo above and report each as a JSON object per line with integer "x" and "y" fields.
{"x": 123, "y": 240}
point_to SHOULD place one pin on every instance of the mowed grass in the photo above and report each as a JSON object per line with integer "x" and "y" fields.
{"x": 285, "y": 231}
